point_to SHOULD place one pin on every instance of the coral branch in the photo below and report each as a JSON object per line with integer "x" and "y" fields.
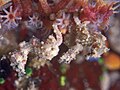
{"x": 60, "y": 5}
{"x": 45, "y": 6}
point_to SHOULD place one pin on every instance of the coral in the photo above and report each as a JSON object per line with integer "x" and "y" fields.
{"x": 45, "y": 6}
{"x": 77, "y": 24}
{"x": 64, "y": 21}
{"x": 34, "y": 22}
{"x": 10, "y": 18}
{"x": 3, "y": 2}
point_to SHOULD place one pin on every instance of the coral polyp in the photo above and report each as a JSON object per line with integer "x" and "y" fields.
{"x": 35, "y": 22}
{"x": 64, "y": 21}
{"x": 10, "y": 18}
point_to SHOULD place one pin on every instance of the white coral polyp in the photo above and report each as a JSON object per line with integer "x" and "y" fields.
{"x": 35, "y": 22}
{"x": 64, "y": 21}
{"x": 10, "y": 18}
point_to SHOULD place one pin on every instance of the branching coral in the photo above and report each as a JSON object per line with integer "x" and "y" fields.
{"x": 45, "y": 6}
{"x": 3, "y": 2}
{"x": 99, "y": 13}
